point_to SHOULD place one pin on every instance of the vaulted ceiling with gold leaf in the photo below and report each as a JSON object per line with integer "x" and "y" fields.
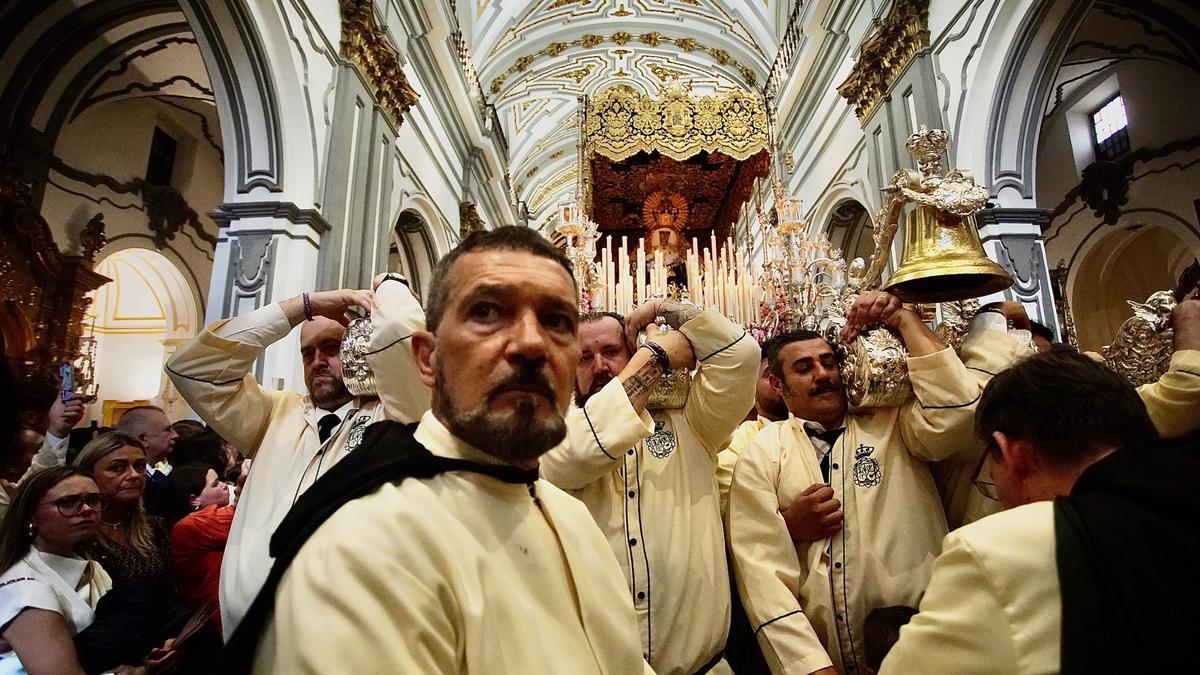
{"x": 536, "y": 58}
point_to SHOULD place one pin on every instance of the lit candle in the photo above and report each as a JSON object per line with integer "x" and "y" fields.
{"x": 640, "y": 281}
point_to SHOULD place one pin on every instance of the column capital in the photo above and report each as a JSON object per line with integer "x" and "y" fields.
{"x": 229, "y": 212}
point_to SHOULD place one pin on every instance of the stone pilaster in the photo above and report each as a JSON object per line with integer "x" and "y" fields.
{"x": 1013, "y": 238}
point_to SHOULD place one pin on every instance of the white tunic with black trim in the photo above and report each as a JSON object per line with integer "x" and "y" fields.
{"x": 458, "y": 573}
{"x": 808, "y": 603}
{"x": 650, "y": 483}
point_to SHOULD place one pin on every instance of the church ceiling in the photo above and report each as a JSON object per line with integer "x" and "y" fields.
{"x": 536, "y": 58}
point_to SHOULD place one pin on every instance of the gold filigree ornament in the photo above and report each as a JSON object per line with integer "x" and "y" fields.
{"x": 875, "y": 366}
{"x": 366, "y": 45}
{"x": 619, "y": 123}
{"x": 1141, "y": 350}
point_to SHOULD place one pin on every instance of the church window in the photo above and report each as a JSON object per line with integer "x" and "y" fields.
{"x": 1110, "y": 129}
{"x": 161, "y": 164}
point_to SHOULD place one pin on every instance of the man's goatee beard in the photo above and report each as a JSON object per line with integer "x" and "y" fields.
{"x": 518, "y": 438}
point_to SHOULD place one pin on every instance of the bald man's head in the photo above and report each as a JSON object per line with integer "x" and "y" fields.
{"x": 150, "y": 425}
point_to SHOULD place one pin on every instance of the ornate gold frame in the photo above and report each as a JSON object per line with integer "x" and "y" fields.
{"x": 366, "y": 45}
{"x": 904, "y": 32}
{"x": 619, "y": 123}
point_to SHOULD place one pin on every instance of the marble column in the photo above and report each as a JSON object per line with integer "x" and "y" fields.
{"x": 266, "y": 252}
{"x": 1013, "y": 238}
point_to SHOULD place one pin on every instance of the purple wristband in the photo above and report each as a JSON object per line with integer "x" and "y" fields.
{"x": 307, "y": 307}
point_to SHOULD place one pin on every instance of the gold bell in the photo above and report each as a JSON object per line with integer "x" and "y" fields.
{"x": 944, "y": 260}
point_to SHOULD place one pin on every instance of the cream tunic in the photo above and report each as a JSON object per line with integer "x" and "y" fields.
{"x": 807, "y": 604}
{"x": 458, "y": 573}
{"x": 727, "y": 458}
{"x": 650, "y": 483}
{"x": 994, "y": 604}
{"x": 279, "y": 428}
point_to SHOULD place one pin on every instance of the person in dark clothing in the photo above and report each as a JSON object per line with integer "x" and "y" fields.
{"x": 1090, "y": 567}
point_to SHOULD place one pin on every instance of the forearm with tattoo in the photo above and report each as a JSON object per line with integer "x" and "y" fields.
{"x": 677, "y": 313}
{"x": 639, "y": 378}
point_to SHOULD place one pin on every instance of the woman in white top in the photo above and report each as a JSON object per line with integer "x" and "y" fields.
{"x": 47, "y": 590}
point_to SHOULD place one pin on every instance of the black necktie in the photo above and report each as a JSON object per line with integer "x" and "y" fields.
{"x": 829, "y": 437}
{"x": 325, "y": 426}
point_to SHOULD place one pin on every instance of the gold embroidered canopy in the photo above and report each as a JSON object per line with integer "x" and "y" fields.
{"x": 619, "y": 123}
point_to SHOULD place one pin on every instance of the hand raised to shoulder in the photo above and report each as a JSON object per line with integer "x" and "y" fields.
{"x": 329, "y": 304}
{"x": 868, "y": 308}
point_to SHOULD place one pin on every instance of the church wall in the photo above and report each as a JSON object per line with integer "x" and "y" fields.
{"x": 112, "y": 141}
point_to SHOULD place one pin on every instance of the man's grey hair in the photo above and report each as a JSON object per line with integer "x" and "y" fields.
{"x": 509, "y": 238}
{"x": 133, "y": 421}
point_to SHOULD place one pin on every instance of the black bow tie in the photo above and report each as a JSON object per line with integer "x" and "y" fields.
{"x": 325, "y": 426}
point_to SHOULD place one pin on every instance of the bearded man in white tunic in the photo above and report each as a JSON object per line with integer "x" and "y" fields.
{"x": 468, "y": 570}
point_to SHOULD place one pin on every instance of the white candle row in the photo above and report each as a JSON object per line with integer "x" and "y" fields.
{"x": 722, "y": 277}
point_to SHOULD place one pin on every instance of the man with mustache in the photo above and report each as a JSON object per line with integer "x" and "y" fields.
{"x": 292, "y": 438}
{"x": 649, "y": 477}
{"x": 879, "y": 518}
{"x": 475, "y": 565}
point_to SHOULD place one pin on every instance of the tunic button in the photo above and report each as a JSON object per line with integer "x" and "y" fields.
{"x": 631, "y": 451}
{"x": 837, "y": 565}
{"x": 633, "y": 542}
{"x": 835, "y": 466}
{"x": 641, "y": 595}
{"x": 632, "y": 494}
{"x": 840, "y": 617}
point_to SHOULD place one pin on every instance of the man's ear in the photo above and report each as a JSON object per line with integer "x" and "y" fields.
{"x": 424, "y": 346}
{"x": 776, "y": 383}
{"x": 1017, "y": 453}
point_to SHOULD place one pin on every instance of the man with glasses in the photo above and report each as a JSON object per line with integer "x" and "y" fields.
{"x": 1091, "y": 567}
{"x": 875, "y": 532}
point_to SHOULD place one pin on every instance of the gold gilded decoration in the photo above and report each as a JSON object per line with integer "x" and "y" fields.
{"x": 904, "y": 32}
{"x": 577, "y": 75}
{"x": 1142, "y": 348}
{"x": 943, "y": 258}
{"x": 555, "y": 155}
{"x": 620, "y": 123}
{"x": 366, "y": 45}
{"x": 672, "y": 391}
{"x": 665, "y": 74}
{"x": 622, "y": 12}
{"x": 620, "y": 38}
{"x": 43, "y": 290}
{"x": 468, "y": 219}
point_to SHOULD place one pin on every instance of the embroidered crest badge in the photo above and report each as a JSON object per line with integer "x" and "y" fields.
{"x": 867, "y": 472}
{"x": 661, "y": 442}
{"x": 357, "y": 429}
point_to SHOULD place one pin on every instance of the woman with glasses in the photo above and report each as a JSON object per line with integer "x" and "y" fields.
{"x": 49, "y": 588}
{"x": 130, "y": 544}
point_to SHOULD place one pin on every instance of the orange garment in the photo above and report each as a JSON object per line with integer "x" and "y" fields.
{"x": 197, "y": 547}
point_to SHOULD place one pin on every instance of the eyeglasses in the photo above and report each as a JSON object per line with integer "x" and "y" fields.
{"x": 983, "y": 481}
{"x": 72, "y": 505}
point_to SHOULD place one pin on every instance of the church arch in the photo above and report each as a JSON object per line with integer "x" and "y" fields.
{"x": 138, "y": 320}
{"x": 1117, "y": 265}
{"x": 414, "y": 252}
